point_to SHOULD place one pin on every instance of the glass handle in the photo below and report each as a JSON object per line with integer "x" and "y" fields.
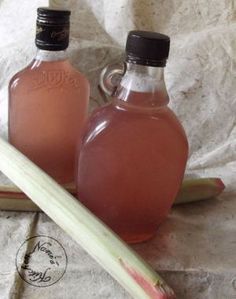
{"x": 110, "y": 77}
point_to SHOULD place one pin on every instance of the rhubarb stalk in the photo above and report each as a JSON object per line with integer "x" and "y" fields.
{"x": 199, "y": 189}
{"x": 12, "y": 198}
{"x": 129, "y": 269}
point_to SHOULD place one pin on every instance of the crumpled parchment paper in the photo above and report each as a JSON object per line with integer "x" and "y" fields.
{"x": 194, "y": 249}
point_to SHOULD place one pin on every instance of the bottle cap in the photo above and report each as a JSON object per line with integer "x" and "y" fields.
{"x": 147, "y": 48}
{"x": 52, "y": 29}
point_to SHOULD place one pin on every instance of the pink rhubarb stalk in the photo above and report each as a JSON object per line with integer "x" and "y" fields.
{"x": 159, "y": 290}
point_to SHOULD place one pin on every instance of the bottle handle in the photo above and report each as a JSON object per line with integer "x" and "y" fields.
{"x": 111, "y": 76}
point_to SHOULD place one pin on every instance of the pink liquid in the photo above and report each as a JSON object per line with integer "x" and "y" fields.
{"x": 47, "y": 109}
{"x": 131, "y": 165}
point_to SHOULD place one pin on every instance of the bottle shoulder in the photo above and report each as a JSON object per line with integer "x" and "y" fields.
{"x": 109, "y": 120}
{"x": 126, "y": 113}
{"x": 20, "y": 74}
{"x": 49, "y": 74}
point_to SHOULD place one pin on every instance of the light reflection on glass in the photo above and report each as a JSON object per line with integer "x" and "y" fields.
{"x": 98, "y": 129}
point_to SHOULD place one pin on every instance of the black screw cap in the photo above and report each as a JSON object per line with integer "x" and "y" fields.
{"x": 147, "y": 48}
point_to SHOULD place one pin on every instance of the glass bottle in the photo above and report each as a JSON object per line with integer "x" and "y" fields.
{"x": 134, "y": 150}
{"x": 48, "y": 100}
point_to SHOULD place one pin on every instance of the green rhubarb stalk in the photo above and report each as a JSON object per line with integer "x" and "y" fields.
{"x": 16, "y": 204}
{"x": 12, "y": 198}
{"x": 199, "y": 189}
{"x": 13, "y": 191}
{"x": 129, "y": 269}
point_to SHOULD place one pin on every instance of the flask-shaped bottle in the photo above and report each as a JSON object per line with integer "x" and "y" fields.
{"x": 48, "y": 100}
{"x": 134, "y": 150}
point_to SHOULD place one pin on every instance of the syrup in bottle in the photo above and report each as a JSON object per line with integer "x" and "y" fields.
{"x": 48, "y": 100}
{"x": 134, "y": 150}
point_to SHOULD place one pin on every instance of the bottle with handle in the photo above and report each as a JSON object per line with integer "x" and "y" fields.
{"x": 134, "y": 150}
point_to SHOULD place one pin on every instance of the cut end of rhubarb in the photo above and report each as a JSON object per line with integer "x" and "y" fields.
{"x": 220, "y": 185}
{"x": 157, "y": 290}
{"x": 199, "y": 189}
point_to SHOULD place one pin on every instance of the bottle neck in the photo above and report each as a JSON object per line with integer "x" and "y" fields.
{"x": 143, "y": 86}
{"x": 46, "y": 55}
